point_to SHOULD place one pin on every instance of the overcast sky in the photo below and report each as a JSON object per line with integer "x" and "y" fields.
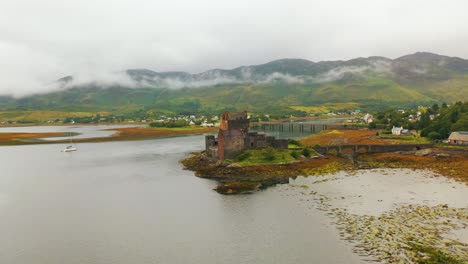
{"x": 43, "y": 40}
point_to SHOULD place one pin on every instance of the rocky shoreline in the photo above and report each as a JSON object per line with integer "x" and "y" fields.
{"x": 392, "y": 215}
{"x": 238, "y": 179}
{"x": 408, "y": 213}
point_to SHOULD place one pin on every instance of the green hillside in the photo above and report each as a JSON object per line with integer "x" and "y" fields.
{"x": 420, "y": 78}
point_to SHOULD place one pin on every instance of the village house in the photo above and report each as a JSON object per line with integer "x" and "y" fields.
{"x": 397, "y": 130}
{"x": 234, "y": 137}
{"x": 460, "y": 137}
{"x": 368, "y": 118}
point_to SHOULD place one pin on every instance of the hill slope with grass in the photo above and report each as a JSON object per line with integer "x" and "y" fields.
{"x": 420, "y": 78}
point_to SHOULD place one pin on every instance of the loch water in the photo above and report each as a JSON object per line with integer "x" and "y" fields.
{"x": 132, "y": 202}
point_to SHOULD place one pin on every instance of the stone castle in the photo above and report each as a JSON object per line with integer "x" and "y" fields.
{"x": 234, "y": 137}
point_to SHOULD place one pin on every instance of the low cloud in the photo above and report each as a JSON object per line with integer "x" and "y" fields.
{"x": 205, "y": 79}
{"x": 379, "y": 67}
{"x": 42, "y": 41}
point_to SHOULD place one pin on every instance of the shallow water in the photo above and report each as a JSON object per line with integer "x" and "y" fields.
{"x": 131, "y": 202}
{"x": 83, "y": 131}
{"x": 373, "y": 192}
{"x": 378, "y": 191}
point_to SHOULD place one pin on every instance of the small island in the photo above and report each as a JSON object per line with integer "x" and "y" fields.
{"x": 244, "y": 161}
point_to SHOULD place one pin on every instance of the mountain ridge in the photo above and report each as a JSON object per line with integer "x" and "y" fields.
{"x": 418, "y": 78}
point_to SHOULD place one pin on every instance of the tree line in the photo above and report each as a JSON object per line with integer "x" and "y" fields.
{"x": 435, "y": 122}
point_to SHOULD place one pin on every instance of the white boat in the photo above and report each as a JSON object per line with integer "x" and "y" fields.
{"x": 70, "y": 148}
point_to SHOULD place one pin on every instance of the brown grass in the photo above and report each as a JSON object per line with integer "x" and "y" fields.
{"x": 351, "y": 137}
{"x": 455, "y": 166}
{"x": 25, "y": 138}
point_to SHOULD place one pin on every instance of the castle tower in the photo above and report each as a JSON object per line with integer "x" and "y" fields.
{"x": 233, "y": 129}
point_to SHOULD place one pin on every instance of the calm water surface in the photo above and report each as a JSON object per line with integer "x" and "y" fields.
{"x": 83, "y": 131}
{"x": 131, "y": 202}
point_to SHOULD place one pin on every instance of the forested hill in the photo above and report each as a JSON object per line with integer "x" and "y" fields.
{"x": 420, "y": 78}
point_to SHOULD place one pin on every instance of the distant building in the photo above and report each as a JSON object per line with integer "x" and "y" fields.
{"x": 397, "y": 130}
{"x": 368, "y": 118}
{"x": 460, "y": 137}
{"x": 206, "y": 124}
{"x": 234, "y": 137}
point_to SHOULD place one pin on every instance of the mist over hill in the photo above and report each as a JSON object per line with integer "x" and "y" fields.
{"x": 412, "y": 79}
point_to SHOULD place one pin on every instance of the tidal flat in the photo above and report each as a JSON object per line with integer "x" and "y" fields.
{"x": 392, "y": 215}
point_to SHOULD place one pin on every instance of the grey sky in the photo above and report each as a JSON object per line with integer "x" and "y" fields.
{"x": 41, "y": 41}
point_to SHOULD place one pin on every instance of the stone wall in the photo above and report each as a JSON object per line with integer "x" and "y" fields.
{"x": 234, "y": 137}
{"x": 230, "y": 144}
{"x": 256, "y": 140}
{"x": 210, "y": 141}
{"x": 280, "y": 143}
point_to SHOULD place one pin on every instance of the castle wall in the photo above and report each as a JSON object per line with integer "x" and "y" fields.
{"x": 233, "y": 137}
{"x": 280, "y": 143}
{"x": 230, "y": 144}
{"x": 256, "y": 140}
{"x": 213, "y": 152}
{"x": 210, "y": 141}
{"x": 241, "y": 124}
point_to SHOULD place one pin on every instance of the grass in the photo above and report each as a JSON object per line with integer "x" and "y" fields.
{"x": 42, "y": 115}
{"x": 326, "y": 108}
{"x": 271, "y": 156}
{"x": 405, "y": 139}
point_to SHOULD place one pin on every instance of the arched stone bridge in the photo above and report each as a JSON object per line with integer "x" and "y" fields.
{"x": 356, "y": 149}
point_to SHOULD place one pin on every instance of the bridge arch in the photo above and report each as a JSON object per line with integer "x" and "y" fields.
{"x": 362, "y": 150}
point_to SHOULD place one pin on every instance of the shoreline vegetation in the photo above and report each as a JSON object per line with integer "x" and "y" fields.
{"x": 238, "y": 176}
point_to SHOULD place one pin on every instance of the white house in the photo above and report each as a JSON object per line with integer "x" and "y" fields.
{"x": 206, "y": 124}
{"x": 368, "y": 118}
{"x": 397, "y": 130}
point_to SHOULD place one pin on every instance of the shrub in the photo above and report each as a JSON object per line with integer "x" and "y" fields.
{"x": 295, "y": 154}
{"x": 306, "y": 152}
{"x": 170, "y": 124}
{"x": 243, "y": 156}
{"x": 268, "y": 154}
{"x": 434, "y": 135}
{"x": 294, "y": 142}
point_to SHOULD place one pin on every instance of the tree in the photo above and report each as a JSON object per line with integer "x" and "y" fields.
{"x": 461, "y": 124}
{"x": 424, "y": 121}
{"x": 435, "y": 108}
{"x": 434, "y": 135}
